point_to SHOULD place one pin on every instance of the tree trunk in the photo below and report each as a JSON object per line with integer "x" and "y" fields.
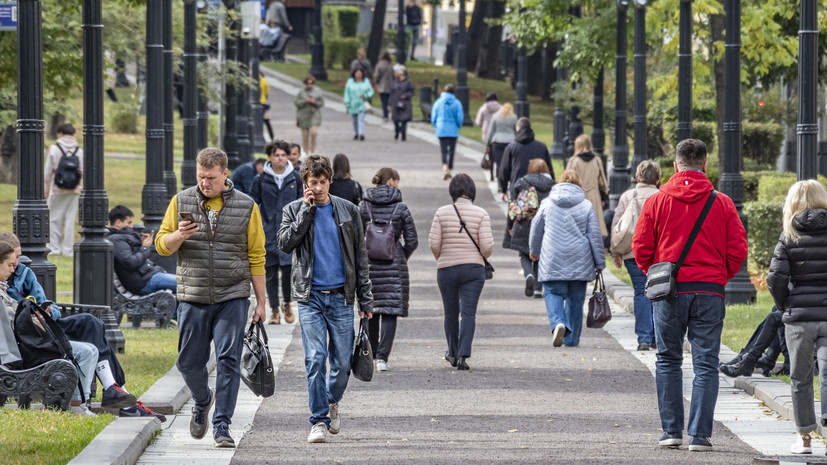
{"x": 549, "y": 72}
{"x": 476, "y": 31}
{"x": 55, "y": 120}
{"x": 488, "y": 61}
{"x": 8, "y": 155}
{"x": 535, "y": 81}
{"x": 717, "y": 23}
{"x": 377, "y": 30}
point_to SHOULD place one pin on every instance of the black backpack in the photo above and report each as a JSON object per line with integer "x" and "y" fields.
{"x": 67, "y": 174}
{"x": 39, "y": 338}
{"x": 380, "y": 237}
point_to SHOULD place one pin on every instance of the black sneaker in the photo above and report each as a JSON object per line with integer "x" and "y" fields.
{"x": 221, "y": 434}
{"x": 529, "y": 285}
{"x": 115, "y": 397}
{"x": 198, "y": 422}
{"x": 643, "y": 346}
{"x": 672, "y": 441}
{"x": 697, "y": 444}
{"x": 140, "y": 411}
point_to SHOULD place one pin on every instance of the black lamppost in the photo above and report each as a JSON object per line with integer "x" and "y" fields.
{"x": 203, "y": 113}
{"x": 256, "y": 108}
{"x": 317, "y": 49}
{"x": 93, "y": 263}
{"x": 640, "y": 85}
{"x": 169, "y": 172}
{"x": 685, "y": 71}
{"x": 154, "y": 197}
{"x": 245, "y": 149}
{"x": 190, "y": 96}
{"x": 574, "y": 130}
{"x": 558, "y": 146}
{"x": 521, "y": 105}
{"x": 739, "y": 289}
{"x": 230, "y": 142}
{"x": 807, "y": 129}
{"x": 598, "y": 134}
{"x": 462, "y": 73}
{"x": 401, "y": 50}
{"x": 30, "y": 215}
{"x": 619, "y": 180}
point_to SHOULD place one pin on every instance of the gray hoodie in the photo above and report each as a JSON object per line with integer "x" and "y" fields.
{"x": 279, "y": 178}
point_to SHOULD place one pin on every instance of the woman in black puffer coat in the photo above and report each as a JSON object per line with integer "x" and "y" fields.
{"x": 390, "y": 281}
{"x": 798, "y": 284}
{"x": 517, "y": 232}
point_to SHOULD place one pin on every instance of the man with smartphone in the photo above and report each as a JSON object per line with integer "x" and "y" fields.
{"x": 218, "y": 235}
{"x": 138, "y": 274}
{"x": 330, "y": 270}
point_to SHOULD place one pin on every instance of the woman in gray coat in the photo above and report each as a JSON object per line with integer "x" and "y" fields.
{"x": 565, "y": 238}
{"x": 391, "y": 284}
{"x": 384, "y": 77}
{"x": 400, "y": 101}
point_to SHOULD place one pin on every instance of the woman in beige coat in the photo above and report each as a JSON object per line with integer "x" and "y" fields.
{"x": 460, "y": 264}
{"x": 589, "y": 167}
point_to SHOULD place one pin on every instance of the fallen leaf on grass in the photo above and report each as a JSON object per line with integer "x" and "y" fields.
{"x": 513, "y": 430}
{"x": 568, "y": 379}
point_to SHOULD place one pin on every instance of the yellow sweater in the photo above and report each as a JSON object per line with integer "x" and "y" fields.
{"x": 255, "y": 232}
{"x": 265, "y": 89}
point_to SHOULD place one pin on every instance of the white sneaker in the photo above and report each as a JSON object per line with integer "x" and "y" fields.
{"x": 801, "y": 445}
{"x": 81, "y": 409}
{"x": 382, "y": 365}
{"x": 335, "y": 420}
{"x": 318, "y": 433}
{"x": 558, "y": 334}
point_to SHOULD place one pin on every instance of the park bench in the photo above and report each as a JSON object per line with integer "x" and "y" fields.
{"x": 114, "y": 335}
{"x": 158, "y": 306}
{"x": 52, "y": 383}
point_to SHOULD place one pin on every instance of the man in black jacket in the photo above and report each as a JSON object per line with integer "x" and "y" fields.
{"x": 330, "y": 269}
{"x": 517, "y": 154}
{"x": 138, "y": 274}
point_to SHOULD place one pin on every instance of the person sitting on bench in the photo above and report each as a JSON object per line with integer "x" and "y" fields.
{"x": 138, "y": 274}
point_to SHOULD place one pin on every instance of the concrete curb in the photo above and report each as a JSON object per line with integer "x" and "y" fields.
{"x": 774, "y": 393}
{"x": 170, "y": 393}
{"x": 121, "y": 443}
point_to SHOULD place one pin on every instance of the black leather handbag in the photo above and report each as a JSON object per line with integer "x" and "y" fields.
{"x": 361, "y": 364}
{"x": 256, "y": 365}
{"x": 599, "y": 311}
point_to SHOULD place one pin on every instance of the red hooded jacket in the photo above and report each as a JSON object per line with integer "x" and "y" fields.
{"x": 667, "y": 219}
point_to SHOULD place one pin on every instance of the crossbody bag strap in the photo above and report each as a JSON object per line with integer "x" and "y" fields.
{"x": 695, "y": 230}
{"x": 462, "y": 226}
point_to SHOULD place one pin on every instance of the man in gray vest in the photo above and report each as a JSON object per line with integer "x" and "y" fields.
{"x": 218, "y": 235}
{"x": 330, "y": 269}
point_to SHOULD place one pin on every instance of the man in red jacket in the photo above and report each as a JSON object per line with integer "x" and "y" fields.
{"x": 697, "y": 310}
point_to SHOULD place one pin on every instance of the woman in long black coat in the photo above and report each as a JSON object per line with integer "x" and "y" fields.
{"x": 517, "y": 233}
{"x": 391, "y": 285}
{"x": 399, "y": 102}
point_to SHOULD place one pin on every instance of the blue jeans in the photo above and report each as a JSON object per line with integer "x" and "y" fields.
{"x": 644, "y": 326}
{"x": 159, "y": 281}
{"x": 564, "y": 304}
{"x": 460, "y": 286}
{"x": 700, "y": 317}
{"x": 327, "y": 332}
{"x": 358, "y": 123}
{"x": 223, "y": 324}
{"x": 384, "y": 97}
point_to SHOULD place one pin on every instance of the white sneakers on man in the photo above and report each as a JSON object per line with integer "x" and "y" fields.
{"x": 318, "y": 433}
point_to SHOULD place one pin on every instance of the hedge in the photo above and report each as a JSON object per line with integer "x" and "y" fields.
{"x": 764, "y": 228}
{"x": 340, "y": 50}
{"x": 340, "y": 21}
{"x": 762, "y": 142}
{"x": 702, "y": 130}
{"x": 773, "y": 187}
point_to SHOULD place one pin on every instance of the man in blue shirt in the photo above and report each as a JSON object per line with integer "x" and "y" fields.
{"x": 330, "y": 270}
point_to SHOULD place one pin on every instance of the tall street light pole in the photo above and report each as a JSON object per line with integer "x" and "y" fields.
{"x": 558, "y": 146}
{"x": 154, "y": 197}
{"x": 256, "y": 108}
{"x": 640, "y": 84}
{"x": 807, "y": 129}
{"x": 190, "y": 96}
{"x": 462, "y": 73}
{"x": 30, "y": 215}
{"x": 685, "y": 71}
{"x": 401, "y": 50}
{"x": 245, "y": 149}
{"x": 169, "y": 171}
{"x": 230, "y": 143}
{"x": 619, "y": 180}
{"x": 521, "y": 104}
{"x": 598, "y": 134}
{"x": 93, "y": 263}
{"x": 203, "y": 113}
{"x": 739, "y": 289}
{"x": 317, "y": 49}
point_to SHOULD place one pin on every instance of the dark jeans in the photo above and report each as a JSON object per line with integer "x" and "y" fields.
{"x": 447, "y": 145}
{"x": 769, "y": 336}
{"x": 269, "y": 127}
{"x": 381, "y": 335}
{"x": 88, "y": 328}
{"x": 700, "y": 317}
{"x": 644, "y": 325}
{"x": 384, "y": 97}
{"x": 223, "y": 324}
{"x": 401, "y": 128}
{"x": 271, "y": 271}
{"x": 530, "y": 268}
{"x": 460, "y": 286}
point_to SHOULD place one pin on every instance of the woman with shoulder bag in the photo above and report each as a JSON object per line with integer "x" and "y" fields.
{"x": 391, "y": 283}
{"x": 399, "y": 103}
{"x": 798, "y": 284}
{"x": 501, "y": 132}
{"x": 648, "y": 179}
{"x": 461, "y": 254}
{"x": 565, "y": 239}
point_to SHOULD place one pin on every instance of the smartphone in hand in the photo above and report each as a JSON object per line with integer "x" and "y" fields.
{"x": 186, "y": 216}
{"x": 312, "y": 197}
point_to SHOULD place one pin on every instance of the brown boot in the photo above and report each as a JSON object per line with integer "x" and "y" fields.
{"x": 275, "y": 319}
{"x": 288, "y": 313}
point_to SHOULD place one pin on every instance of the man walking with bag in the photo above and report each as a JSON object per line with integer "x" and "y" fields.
{"x": 330, "y": 269}
{"x": 696, "y": 309}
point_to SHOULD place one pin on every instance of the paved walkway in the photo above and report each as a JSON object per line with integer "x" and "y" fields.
{"x": 522, "y": 400}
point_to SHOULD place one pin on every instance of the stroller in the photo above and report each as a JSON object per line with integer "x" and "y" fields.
{"x": 275, "y": 52}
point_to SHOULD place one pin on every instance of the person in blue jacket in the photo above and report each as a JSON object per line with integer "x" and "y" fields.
{"x": 447, "y": 116}
{"x": 243, "y": 175}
